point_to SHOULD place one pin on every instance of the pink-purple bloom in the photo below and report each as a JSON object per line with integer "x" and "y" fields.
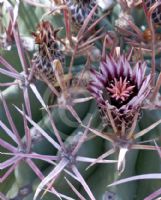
{"x": 120, "y": 88}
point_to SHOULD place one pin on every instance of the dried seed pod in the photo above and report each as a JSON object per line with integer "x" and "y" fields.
{"x": 156, "y": 14}
{"x": 80, "y": 9}
{"x": 147, "y": 35}
{"x": 49, "y": 49}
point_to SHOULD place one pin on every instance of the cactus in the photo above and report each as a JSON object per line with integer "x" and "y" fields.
{"x": 80, "y": 100}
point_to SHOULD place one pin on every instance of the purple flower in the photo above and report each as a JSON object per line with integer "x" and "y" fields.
{"x": 120, "y": 88}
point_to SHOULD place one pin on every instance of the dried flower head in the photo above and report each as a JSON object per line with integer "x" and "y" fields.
{"x": 119, "y": 88}
{"x": 156, "y": 14}
{"x": 80, "y": 9}
{"x": 49, "y": 49}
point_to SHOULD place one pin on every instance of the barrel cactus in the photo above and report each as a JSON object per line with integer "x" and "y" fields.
{"x": 80, "y": 100}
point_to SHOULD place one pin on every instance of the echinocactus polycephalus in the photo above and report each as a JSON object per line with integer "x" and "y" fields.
{"x": 59, "y": 131}
{"x": 156, "y": 14}
{"x": 49, "y": 50}
{"x": 119, "y": 88}
{"x": 80, "y": 9}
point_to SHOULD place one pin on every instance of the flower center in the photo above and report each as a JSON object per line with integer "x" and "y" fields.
{"x": 82, "y": 1}
{"x": 120, "y": 89}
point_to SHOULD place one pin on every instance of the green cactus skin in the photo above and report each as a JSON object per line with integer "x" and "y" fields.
{"x": 149, "y": 162}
